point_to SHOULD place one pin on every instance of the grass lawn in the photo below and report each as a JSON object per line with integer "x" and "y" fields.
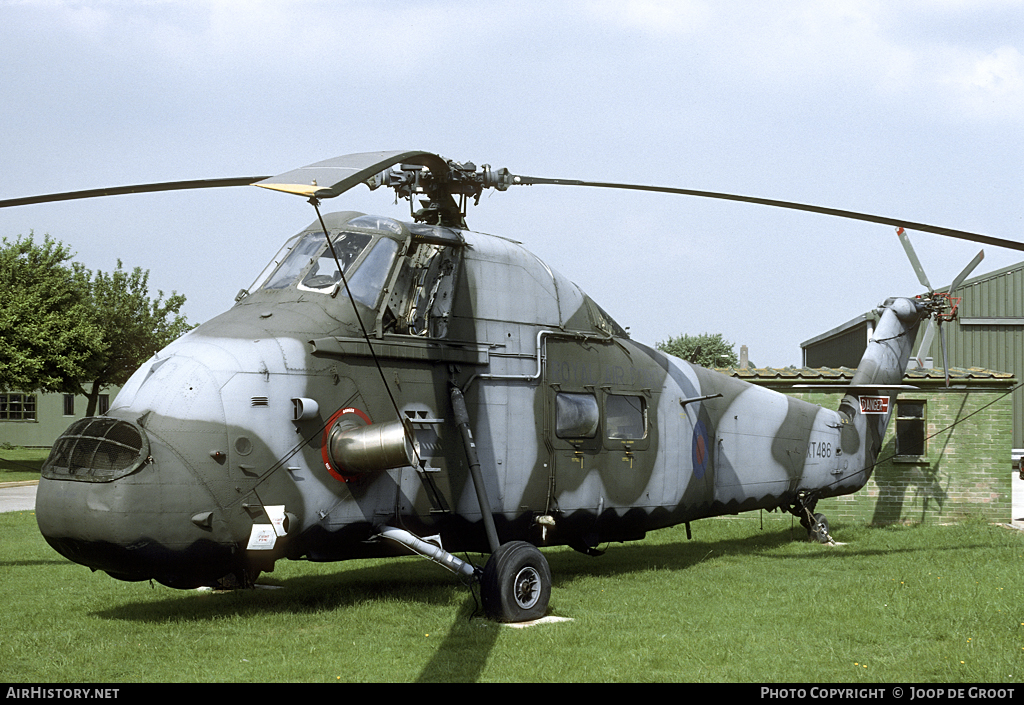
{"x": 738, "y": 603}
{"x": 19, "y": 464}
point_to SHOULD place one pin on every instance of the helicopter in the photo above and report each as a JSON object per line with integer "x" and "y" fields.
{"x": 388, "y": 387}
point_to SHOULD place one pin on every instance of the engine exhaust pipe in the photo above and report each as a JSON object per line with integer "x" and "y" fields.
{"x": 357, "y": 450}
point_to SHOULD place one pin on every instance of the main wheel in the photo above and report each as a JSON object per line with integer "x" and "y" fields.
{"x": 516, "y": 583}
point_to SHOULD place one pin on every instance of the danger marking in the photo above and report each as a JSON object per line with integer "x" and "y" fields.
{"x": 874, "y": 405}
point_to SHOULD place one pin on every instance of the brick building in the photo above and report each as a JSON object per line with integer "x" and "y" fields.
{"x": 946, "y": 454}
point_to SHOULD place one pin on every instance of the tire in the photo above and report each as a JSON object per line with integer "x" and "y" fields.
{"x": 516, "y": 583}
{"x": 819, "y": 532}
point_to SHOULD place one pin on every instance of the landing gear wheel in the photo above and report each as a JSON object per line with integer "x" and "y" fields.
{"x": 516, "y": 583}
{"x": 819, "y": 532}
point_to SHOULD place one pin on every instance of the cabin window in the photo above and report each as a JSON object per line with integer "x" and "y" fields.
{"x": 17, "y": 407}
{"x": 576, "y": 415}
{"x": 626, "y": 417}
{"x": 910, "y": 429}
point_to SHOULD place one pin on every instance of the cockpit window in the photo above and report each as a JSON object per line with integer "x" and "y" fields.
{"x": 296, "y": 261}
{"x": 324, "y": 274}
{"x": 311, "y": 256}
{"x": 369, "y": 279}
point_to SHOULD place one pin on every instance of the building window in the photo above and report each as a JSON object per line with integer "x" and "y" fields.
{"x": 103, "y": 405}
{"x": 69, "y": 404}
{"x": 17, "y": 407}
{"x": 910, "y": 429}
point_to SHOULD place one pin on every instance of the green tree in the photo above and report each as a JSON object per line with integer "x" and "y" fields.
{"x": 706, "y": 350}
{"x": 63, "y": 328}
{"x": 132, "y": 328}
{"x": 48, "y": 336}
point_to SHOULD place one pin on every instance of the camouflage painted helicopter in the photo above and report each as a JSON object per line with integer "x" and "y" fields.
{"x": 387, "y": 387}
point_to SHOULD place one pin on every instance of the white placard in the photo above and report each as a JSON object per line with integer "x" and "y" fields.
{"x": 276, "y": 514}
{"x": 262, "y": 537}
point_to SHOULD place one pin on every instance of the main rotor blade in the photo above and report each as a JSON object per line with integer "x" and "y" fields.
{"x": 967, "y": 271}
{"x": 914, "y": 261}
{"x": 332, "y": 177}
{"x": 948, "y": 232}
{"x": 136, "y": 188}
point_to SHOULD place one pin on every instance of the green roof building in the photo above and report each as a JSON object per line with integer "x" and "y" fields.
{"x": 987, "y": 333}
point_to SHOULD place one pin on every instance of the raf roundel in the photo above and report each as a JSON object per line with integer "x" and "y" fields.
{"x": 701, "y": 450}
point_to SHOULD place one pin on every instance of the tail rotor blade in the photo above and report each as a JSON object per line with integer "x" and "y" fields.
{"x": 945, "y": 360}
{"x": 967, "y": 271}
{"x": 926, "y": 342}
{"x": 912, "y": 256}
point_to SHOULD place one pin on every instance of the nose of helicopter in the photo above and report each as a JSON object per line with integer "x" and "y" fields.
{"x": 114, "y": 498}
{"x": 164, "y": 486}
{"x": 136, "y": 493}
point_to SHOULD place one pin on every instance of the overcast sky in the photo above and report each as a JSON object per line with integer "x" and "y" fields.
{"x": 913, "y": 110}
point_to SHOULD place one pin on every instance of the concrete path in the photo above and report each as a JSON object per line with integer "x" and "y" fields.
{"x": 1018, "y": 501}
{"x": 18, "y": 496}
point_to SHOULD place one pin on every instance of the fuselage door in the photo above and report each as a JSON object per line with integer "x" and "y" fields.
{"x": 600, "y": 425}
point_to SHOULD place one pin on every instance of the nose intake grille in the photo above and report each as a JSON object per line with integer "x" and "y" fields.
{"x": 97, "y": 449}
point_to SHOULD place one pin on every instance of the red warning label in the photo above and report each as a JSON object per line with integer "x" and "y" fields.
{"x": 874, "y": 405}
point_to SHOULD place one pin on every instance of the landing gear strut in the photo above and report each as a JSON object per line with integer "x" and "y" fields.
{"x": 515, "y": 584}
{"x": 816, "y": 524}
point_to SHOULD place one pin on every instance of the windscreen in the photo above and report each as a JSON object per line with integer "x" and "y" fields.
{"x": 311, "y": 265}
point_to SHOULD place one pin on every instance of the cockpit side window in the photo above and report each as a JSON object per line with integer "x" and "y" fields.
{"x": 414, "y": 298}
{"x": 421, "y": 297}
{"x": 369, "y": 279}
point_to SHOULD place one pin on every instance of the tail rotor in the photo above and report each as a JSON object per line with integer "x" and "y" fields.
{"x": 942, "y": 305}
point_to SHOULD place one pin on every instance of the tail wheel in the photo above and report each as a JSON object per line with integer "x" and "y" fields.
{"x": 819, "y": 532}
{"x": 516, "y": 583}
